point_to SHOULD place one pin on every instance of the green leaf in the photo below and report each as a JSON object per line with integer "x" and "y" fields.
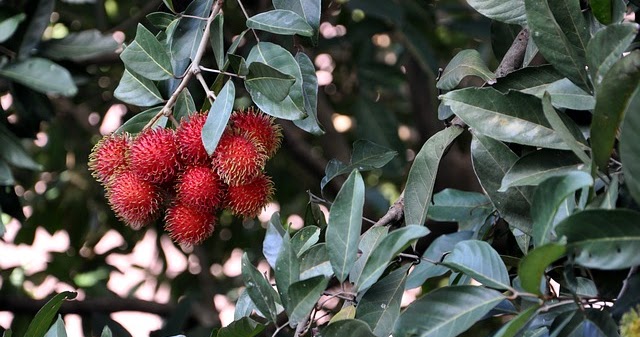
{"x": 12, "y": 151}
{"x": 529, "y": 80}
{"x": 515, "y": 325}
{"x": 479, "y": 260}
{"x": 106, "y": 332}
{"x": 534, "y": 264}
{"x": 565, "y": 94}
{"x": 630, "y": 150}
{"x": 347, "y": 327}
{"x": 491, "y": 160}
{"x": 189, "y": 30}
{"x": 287, "y": 270}
{"x": 265, "y": 80}
{"x": 136, "y": 123}
{"x": 304, "y": 239}
{"x": 259, "y": 289}
{"x": 218, "y": 117}
{"x": 369, "y": 242}
{"x": 216, "y": 38}
{"x": 42, "y": 320}
{"x": 303, "y": 296}
{"x": 280, "y": 21}
{"x": 169, "y": 4}
{"x": 9, "y": 25}
{"x": 273, "y": 239}
{"x": 345, "y": 222}
{"x": 560, "y": 31}
{"x": 40, "y": 75}
{"x": 315, "y": 262}
{"x": 57, "y": 329}
{"x": 446, "y": 312}
{"x": 548, "y": 197}
{"x": 80, "y": 46}
{"x": 310, "y": 123}
{"x": 365, "y": 156}
{"x": 238, "y": 63}
{"x": 392, "y": 245}
{"x": 244, "y": 306}
{"x": 292, "y": 107}
{"x": 466, "y": 63}
{"x": 37, "y": 22}
{"x": 137, "y": 90}
{"x": 244, "y": 327}
{"x": 455, "y": 205}
{"x": 308, "y": 9}
{"x": 348, "y": 312}
{"x": 422, "y": 175}
{"x": 161, "y": 20}
{"x": 146, "y": 56}
{"x": 537, "y": 166}
{"x": 513, "y": 117}
{"x": 504, "y": 11}
{"x": 6, "y": 179}
{"x": 602, "y": 10}
{"x": 559, "y": 125}
{"x": 606, "y": 48}
{"x": 591, "y": 322}
{"x": 436, "y": 252}
{"x": 185, "y": 106}
{"x": 618, "y": 93}
{"x": 602, "y": 239}
{"x": 380, "y": 305}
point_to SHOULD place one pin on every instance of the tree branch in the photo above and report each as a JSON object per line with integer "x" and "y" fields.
{"x": 25, "y": 305}
{"x": 394, "y": 214}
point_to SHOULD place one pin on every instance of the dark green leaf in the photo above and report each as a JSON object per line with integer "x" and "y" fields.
{"x": 618, "y": 93}
{"x": 161, "y": 20}
{"x": 602, "y": 10}
{"x": 12, "y": 151}
{"x": 273, "y": 239}
{"x": 57, "y": 329}
{"x": 537, "y": 166}
{"x": 603, "y": 239}
{"x": 559, "y": 125}
{"x": 606, "y": 48}
{"x": 280, "y": 21}
{"x": 216, "y": 38}
{"x": 565, "y": 94}
{"x": 446, "y": 312}
{"x": 42, "y": 320}
{"x": 106, "y": 332}
{"x": 369, "y": 242}
{"x": 6, "y": 177}
{"x": 347, "y": 312}
{"x": 265, "y": 80}
{"x": 630, "y": 149}
{"x": 345, "y": 222}
{"x": 560, "y": 31}
{"x": 218, "y": 117}
{"x": 347, "y": 327}
{"x": 529, "y": 80}
{"x": 137, "y": 90}
{"x": 9, "y": 25}
{"x": 466, "y": 63}
{"x": 315, "y": 262}
{"x": 189, "y": 30}
{"x": 148, "y": 57}
{"x": 292, "y": 107}
{"x": 479, "y": 260}
{"x": 259, "y": 289}
{"x": 455, "y": 205}
{"x": 366, "y": 156}
{"x": 421, "y": 179}
{"x": 513, "y": 117}
{"x": 547, "y": 199}
{"x": 591, "y": 322}
{"x": 81, "y": 46}
{"x": 303, "y": 296}
{"x": 185, "y": 106}
{"x": 244, "y": 306}
{"x": 380, "y": 305}
{"x": 244, "y": 327}
{"x": 310, "y": 93}
{"x": 534, "y": 264}
{"x": 287, "y": 270}
{"x": 238, "y": 63}
{"x": 37, "y": 23}
{"x": 504, "y": 11}
{"x": 304, "y": 239}
{"x": 40, "y": 75}
{"x": 515, "y": 325}
{"x": 308, "y": 9}
{"x": 169, "y": 4}
{"x": 137, "y": 122}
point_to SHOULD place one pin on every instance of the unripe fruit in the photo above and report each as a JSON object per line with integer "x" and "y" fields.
{"x": 258, "y": 127}
{"x": 109, "y": 156}
{"x": 237, "y": 159}
{"x": 154, "y": 155}
{"x": 189, "y": 140}
{"x": 249, "y": 199}
{"x": 135, "y": 201}
{"x": 200, "y": 188}
{"x": 188, "y": 226}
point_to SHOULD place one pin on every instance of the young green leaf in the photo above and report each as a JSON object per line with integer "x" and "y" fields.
{"x": 41, "y": 75}
{"x": 137, "y": 90}
{"x": 280, "y": 21}
{"x": 42, "y": 320}
{"x": 467, "y": 62}
{"x": 533, "y": 265}
{"x": 479, "y": 260}
{"x": 147, "y": 56}
{"x": 218, "y": 117}
{"x": 259, "y": 289}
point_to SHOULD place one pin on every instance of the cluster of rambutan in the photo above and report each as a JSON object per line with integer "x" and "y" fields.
{"x": 170, "y": 169}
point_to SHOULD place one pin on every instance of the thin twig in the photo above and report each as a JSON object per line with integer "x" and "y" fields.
{"x": 246, "y": 15}
{"x": 625, "y": 283}
{"x": 210, "y": 94}
{"x": 302, "y": 326}
{"x": 211, "y": 70}
{"x": 280, "y": 328}
{"x": 394, "y": 214}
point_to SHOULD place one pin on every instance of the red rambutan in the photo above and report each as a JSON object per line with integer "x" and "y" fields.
{"x": 109, "y": 156}
{"x": 187, "y": 225}
{"x": 249, "y": 199}
{"x": 189, "y": 140}
{"x": 135, "y": 201}
{"x": 154, "y": 155}
{"x": 260, "y": 128}
{"x": 199, "y": 187}
{"x": 237, "y": 159}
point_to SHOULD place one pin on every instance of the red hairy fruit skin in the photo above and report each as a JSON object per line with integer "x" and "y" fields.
{"x": 109, "y": 156}
{"x": 154, "y": 155}
{"x": 135, "y": 201}
{"x": 258, "y": 127}
{"x": 199, "y": 187}
{"x": 237, "y": 159}
{"x": 187, "y": 225}
{"x": 249, "y": 199}
{"x": 189, "y": 140}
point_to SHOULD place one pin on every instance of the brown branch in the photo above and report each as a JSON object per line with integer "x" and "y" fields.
{"x": 25, "y": 305}
{"x": 514, "y": 57}
{"x": 394, "y": 214}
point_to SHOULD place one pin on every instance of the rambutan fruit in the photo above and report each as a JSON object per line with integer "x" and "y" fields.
{"x": 187, "y": 225}
{"x": 135, "y": 201}
{"x": 154, "y": 155}
{"x": 200, "y": 188}
{"x": 260, "y": 128}
{"x": 249, "y": 199}
{"x": 188, "y": 136}
{"x": 237, "y": 159}
{"x": 109, "y": 156}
